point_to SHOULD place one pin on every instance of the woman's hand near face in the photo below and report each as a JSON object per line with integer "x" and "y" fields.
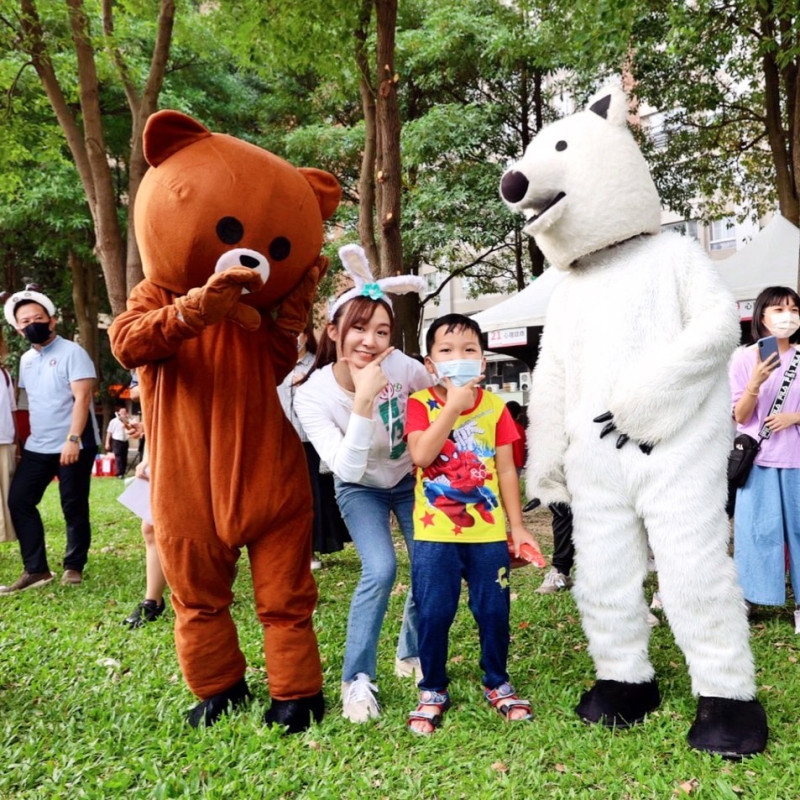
{"x": 369, "y": 381}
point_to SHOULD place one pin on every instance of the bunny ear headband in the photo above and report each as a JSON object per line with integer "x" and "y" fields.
{"x": 355, "y": 263}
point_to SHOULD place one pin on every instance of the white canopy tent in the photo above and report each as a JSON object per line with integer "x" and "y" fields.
{"x": 524, "y": 309}
{"x": 770, "y": 259}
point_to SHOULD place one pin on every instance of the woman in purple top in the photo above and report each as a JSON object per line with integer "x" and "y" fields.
{"x": 767, "y": 518}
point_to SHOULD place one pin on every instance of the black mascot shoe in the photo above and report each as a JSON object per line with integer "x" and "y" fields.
{"x": 731, "y": 728}
{"x": 296, "y": 715}
{"x": 618, "y": 705}
{"x": 210, "y": 710}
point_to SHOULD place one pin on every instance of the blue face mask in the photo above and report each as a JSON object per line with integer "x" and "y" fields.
{"x": 460, "y": 371}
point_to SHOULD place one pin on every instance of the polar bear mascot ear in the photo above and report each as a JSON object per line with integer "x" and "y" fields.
{"x": 583, "y": 183}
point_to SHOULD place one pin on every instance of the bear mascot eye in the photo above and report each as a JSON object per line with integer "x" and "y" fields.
{"x": 230, "y": 230}
{"x": 279, "y": 248}
{"x": 561, "y": 145}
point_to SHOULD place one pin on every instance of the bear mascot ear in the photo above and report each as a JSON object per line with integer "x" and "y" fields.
{"x": 326, "y": 189}
{"x": 611, "y": 104}
{"x": 166, "y": 132}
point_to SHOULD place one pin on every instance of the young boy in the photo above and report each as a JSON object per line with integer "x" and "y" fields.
{"x": 460, "y": 439}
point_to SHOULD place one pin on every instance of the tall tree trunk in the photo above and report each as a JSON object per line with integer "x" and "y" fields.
{"x": 388, "y": 161}
{"x": 366, "y": 178}
{"x": 109, "y": 246}
{"x": 86, "y": 305}
{"x": 87, "y": 145}
{"x": 781, "y": 142}
{"x": 142, "y": 105}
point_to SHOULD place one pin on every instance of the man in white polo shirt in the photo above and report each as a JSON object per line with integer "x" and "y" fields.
{"x": 59, "y": 379}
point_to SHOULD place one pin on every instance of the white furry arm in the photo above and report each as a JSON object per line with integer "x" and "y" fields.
{"x": 670, "y": 380}
{"x": 547, "y": 437}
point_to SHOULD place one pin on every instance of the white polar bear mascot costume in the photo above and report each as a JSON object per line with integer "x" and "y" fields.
{"x": 636, "y": 345}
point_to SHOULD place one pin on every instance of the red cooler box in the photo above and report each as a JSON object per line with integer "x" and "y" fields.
{"x": 105, "y": 466}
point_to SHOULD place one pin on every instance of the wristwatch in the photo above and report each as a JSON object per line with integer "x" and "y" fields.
{"x": 75, "y": 439}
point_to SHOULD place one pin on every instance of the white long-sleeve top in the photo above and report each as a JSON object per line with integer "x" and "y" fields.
{"x": 360, "y": 450}
{"x": 287, "y": 389}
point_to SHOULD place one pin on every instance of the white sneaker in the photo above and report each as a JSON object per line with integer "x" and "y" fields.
{"x": 554, "y": 581}
{"x": 408, "y": 668}
{"x": 652, "y": 619}
{"x": 316, "y": 564}
{"x": 358, "y": 700}
{"x": 797, "y": 620}
{"x": 655, "y": 603}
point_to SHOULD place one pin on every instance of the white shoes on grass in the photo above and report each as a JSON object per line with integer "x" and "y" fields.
{"x": 554, "y": 581}
{"x": 408, "y": 668}
{"x": 358, "y": 699}
{"x": 359, "y": 703}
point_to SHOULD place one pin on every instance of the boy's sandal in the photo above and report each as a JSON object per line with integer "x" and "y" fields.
{"x": 432, "y": 718}
{"x": 504, "y": 700}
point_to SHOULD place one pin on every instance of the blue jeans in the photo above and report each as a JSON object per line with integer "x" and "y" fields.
{"x": 767, "y": 518}
{"x": 365, "y": 510}
{"x": 436, "y": 572}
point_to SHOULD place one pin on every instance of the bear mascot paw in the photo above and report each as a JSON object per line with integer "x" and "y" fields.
{"x": 618, "y": 705}
{"x": 730, "y": 728}
{"x": 296, "y": 715}
{"x": 210, "y": 710}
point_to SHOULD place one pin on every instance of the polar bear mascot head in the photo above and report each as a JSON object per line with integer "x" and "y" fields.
{"x": 583, "y": 183}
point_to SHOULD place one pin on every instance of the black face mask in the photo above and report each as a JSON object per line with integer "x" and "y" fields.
{"x": 37, "y": 332}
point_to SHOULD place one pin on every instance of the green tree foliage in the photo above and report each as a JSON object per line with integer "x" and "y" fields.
{"x": 725, "y": 75}
{"x": 472, "y": 93}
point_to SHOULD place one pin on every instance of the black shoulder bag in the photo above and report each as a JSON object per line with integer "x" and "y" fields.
{"x": 745, "y": 447}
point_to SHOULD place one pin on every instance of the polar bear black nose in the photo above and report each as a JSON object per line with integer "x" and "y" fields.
{"x": 248, "y": 261}
{"x": 513, "y": 186}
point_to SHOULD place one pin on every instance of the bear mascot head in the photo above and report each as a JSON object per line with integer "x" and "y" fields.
{"x": 636, "y": 344}
{"x": 583, "y": 183}
{"x": 211, "y": 202}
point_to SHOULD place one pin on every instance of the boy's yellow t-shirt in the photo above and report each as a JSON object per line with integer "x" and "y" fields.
{"x": 458, "y": 496}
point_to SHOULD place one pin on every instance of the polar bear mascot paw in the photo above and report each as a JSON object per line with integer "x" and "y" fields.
{"x": 635, "y": 349}
{"x": 618, "y": 705}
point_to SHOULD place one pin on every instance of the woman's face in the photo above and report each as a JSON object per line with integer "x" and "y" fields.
{"x": 364, "y": 341}
{"x": 782, "y": 319}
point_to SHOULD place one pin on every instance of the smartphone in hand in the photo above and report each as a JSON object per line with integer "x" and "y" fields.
{"x": 767, "y": 347}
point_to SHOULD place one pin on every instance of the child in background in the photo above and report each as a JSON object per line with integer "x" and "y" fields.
{"x": 460, "y": 438}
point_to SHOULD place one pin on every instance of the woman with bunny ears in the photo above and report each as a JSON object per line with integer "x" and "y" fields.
{"x": 352, "y": 406}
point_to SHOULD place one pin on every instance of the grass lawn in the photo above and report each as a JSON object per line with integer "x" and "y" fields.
{"x": 91, "y": 709}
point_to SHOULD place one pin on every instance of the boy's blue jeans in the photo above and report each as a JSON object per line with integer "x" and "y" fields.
{"x": 365, "y": 510}
{"x": 437, "y": 569}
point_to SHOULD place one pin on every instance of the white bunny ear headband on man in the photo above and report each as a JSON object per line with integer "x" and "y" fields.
{"x": 355, "y": 263}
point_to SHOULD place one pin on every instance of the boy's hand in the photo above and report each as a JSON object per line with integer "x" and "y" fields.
{"x": 520, "y": 536}
{"x": 461, "y": 398}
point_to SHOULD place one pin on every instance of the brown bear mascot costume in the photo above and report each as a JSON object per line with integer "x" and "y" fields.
{"x": 230, "y": 237}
